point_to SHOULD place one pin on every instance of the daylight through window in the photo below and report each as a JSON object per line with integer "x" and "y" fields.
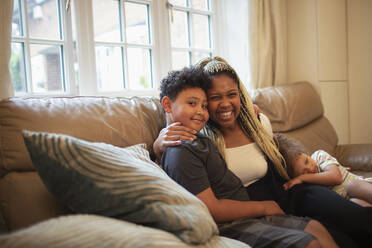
{"x": 105, "y": 47}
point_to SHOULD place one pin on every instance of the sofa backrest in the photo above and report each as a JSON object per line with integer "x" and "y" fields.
{"x": 296, "y": 110}
{"x": 118, "y": 121}
{"x": 122, "y": 122}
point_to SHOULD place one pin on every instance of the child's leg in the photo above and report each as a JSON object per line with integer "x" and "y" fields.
{"x": 361, "y": 202}
{"x": 360, "y": 189}
{"x": 320, "y": 232}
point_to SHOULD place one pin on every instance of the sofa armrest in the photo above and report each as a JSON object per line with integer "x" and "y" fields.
{"x": 355, "y": 156}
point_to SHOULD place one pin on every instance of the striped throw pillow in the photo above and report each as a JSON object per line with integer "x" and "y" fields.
{"x": 98, "y": 178}
{"x": 92, "y": 231}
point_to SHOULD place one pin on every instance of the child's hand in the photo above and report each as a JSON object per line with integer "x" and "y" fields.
{"x": 292, "y": 183}
{"x": 272, "y": 208}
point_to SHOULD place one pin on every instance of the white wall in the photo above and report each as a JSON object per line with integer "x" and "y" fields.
{"x": 302, "y": 41}
{"x": 359, "y": 13}
{"x": 328, "y": 44}
{"x": 332, "y": 64}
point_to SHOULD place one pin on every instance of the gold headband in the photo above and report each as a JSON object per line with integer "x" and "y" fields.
{"x": 215, "y": 66}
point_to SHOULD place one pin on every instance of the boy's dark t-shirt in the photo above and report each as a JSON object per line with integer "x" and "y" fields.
{"x": 198, "y": 165}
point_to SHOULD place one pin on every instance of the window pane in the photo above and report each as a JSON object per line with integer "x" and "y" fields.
{"x": 109, "y": 62}
{"x": 106, "y": 15}
{"x": 137, "y": 23}
{"x": 17, "y": 67}
{"x": 200, "y": 4}
{"x": 179, "y": 29}
{"x": 197, "y": 56}
{"x": 139, "y": 68}
{"x": 182, "y": 3}
{"x": 43, "y": 19}
{"x": 46, "y": 68}
{"x": 16, "y": 21}
{"x": 200, "y": 24}
{"x": 180, "y": 60}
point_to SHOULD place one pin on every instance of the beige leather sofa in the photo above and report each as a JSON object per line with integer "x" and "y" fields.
{"x": 295, "y": 109}
{"x": 118, "y": 121}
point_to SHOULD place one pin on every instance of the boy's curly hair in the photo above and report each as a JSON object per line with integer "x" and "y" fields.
{"x": 290, "y": 149}
{"x": 179, "y": 80}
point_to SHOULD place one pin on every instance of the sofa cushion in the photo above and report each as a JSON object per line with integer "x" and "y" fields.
{"x": 356, "y": 156}
{"x": 91, "y": 231}
{"x": 289, "y": 106}
{"x": 118, "y": 121}
{"x": 120, "y": 182}
{"x": 317, "y": 135}
{"x": 25, "y": 190}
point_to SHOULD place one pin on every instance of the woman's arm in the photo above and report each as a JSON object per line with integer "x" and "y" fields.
{"x": 266, "y": 124}
{"x": 175, "y": 132}
{"x": 228, "y": 210}
{"x": 330, "y": 176}
{"x": 172, "y": 136}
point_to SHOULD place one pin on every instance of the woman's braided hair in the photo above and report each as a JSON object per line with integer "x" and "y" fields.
{"x": 247, "y": 117}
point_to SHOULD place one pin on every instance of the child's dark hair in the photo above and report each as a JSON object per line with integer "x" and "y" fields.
{"x": 290, "y": 149}
{"x": 188, "y": 77}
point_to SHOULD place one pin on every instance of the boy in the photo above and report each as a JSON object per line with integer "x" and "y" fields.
{"x": 322, "y": 168}
{"x": 199, "y": 168}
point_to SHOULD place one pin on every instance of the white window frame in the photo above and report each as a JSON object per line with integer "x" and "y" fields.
{"x": 191, "y": 49}
{"x": 68, "y": 78}
{"x": 87, "y": 80}
{"x": 86, "y": 52}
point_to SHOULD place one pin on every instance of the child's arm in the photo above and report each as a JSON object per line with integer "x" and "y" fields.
{"x": 188, "y": 170}
{"x": 227, "y": 210}
{"x": 330, "y": 176}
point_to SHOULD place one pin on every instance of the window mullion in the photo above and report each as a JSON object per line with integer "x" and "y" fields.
{"x": 217, "y": 24}
{"x": 28, "y": 65}
{"x": 86, "y": 47}
{"x": 124, "y": 47}
{"x": 26, "y": 48}
{"x": 162, "y": 53}
{"x": 65, "y": 47}
{"x": 190, "y": 34}
{"x": 68, "y": 47}
{"x": 122, "y": 21}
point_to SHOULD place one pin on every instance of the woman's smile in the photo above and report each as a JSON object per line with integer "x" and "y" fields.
{"x": 226, "y": 115}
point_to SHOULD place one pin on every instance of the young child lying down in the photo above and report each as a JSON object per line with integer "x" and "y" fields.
{"x": 322, "y": 168}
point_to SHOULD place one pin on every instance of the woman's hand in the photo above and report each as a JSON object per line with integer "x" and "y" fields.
{"x": 172, "y": 136}
{"x": 257, "y": 110}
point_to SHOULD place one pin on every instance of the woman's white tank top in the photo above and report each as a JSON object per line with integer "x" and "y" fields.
{"x": 248, "y": 161}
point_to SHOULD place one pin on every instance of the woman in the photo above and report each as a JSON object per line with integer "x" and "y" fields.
{"x": 235, "y": 128}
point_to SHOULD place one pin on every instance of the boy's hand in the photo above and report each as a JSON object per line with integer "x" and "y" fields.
{"x": 272, "y": 208}
{"x": 292, "y": 182}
